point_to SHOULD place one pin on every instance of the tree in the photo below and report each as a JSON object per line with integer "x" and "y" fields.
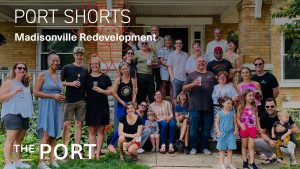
{"x": 289, "y": 9}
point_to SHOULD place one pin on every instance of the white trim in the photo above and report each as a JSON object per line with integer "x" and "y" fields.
{"x": 174, "y": 21}
{"x": 291, "y": 104}
{"x": 258, "y": 6}
{"x": 282, "y": 21}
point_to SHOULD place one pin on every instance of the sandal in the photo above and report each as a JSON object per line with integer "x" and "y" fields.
{"x": 111, "y": 149}
{"x": 163, "y": 149}
{"x": 171, "y": 149}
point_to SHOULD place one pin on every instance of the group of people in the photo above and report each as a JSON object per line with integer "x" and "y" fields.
{"x": 208, "y": 99}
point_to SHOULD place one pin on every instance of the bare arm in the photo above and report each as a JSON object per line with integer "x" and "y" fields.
{"x": 133, "y": 90}
{"x": 115, "y": 89}
{"x": 5, "y": 93}
{"x": 161, "y": 59}
{"x": 294, "y": 129}
{"x": 171, "y": 73}
{"x": 275, "y": 92}
{"x": 121, "y": 133}
{"x": 273, "y": 132}
{"x": 217, "y": 122}
{"x": 38, "y": 88}
{"x": 236, "y": 129}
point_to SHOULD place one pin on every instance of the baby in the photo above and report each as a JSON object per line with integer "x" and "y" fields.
{"x": 153, "y": 125}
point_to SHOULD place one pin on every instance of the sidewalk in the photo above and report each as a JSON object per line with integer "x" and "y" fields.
{"x": 182, "y": 161}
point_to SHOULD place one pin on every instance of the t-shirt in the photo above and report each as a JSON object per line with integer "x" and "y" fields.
{"x": 183, "y": 110}
{"x": 217, "y": 66}
{"x": 177, "y": 61}
{"x": 211, "y": 46}
{"x": 200, "y": 97}
{"x": 141, "y": 62}
{"x": 154, "y": 129}
{"x": 130, "y": 129}
{"x": 266, "y": 122}
{"x": 267, "y": 82}
{"x": 286, "y": 127}
{"x": 70, "y": 73}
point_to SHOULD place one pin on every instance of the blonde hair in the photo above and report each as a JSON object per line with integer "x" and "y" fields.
{"x": 182, "y": 93}
{"x": 94, "y": 57}
{"x": 244, "y": 101}
{"x": 282, "y": 114}
{"x": 150, "y": 113}
{"x": 12, "y": 75}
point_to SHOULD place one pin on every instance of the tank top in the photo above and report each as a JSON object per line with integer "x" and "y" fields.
{"x": 125, "y": 90}
{"x": 19, "y": 104}
{"x": 248, "y": 118}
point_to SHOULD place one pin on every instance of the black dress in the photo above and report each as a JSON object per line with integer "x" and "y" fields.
{"x": 97, "y": 107}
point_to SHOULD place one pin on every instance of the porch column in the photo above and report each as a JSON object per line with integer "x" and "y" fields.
{"x": 254, "y": 33}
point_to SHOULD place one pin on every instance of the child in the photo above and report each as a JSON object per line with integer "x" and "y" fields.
{"x": 281, "y": 131}
{"x": 182, "y": 118}
{"x": 153, "y": 125}
{"x": 226, "y": 127}
{"x": 247, "y": 120}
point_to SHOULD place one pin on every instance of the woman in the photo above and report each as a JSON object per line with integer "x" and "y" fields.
{"x": 144, "y": 59}
{"x": 191, "y": 62}
{"x": 98, "y": 87}
{"x": 164, "y": 74}
{"x": 48, "y": 88}
{"x": 130, "y": 129}
{"x": 124, "y": 91}
{"x": 17, "y": 108}
{"x": 129, "y": 61}
{"x": 223, "y": 88}
{"x": 133, "y": 45}
{"x": 165, "y": 119}
{"x": 234, "y": 59}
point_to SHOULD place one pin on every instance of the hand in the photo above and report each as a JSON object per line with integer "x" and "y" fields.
{"x": 98, "y": 89}
{"x": 272, "y": 143}
{"x": 58, "y": 97}
{"x": 19, "y": 89}
{"x": 196, "y": 83}
{"x": 218, "y": 133}
{"x": 75, "y": 83}
{"x": 243, "y": 127}
{"x": 273, "y": 136}
{"x": 236, "y": 132}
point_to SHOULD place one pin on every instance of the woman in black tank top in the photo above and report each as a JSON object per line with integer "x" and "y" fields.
{"x": 124, "y": 91}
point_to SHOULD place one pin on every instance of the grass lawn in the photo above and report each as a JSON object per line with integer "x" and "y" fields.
{"x": 109, "y": 161}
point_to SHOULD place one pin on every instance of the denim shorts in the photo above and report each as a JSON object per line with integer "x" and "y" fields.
{"x": 15, "y": 122}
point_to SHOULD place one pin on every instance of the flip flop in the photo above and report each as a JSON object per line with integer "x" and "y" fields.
{"x": 171, "y": 149}
{"x": 163, "y": 149}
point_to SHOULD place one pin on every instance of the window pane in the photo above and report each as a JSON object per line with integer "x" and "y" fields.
{"x": 292, "y": 59}
{"x": 58, "y": 46}
{"x": 64, "y": 59}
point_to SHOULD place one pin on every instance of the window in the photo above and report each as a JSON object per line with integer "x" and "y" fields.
{"x": 63, "y": 48}
{"x": 291, "y": 58}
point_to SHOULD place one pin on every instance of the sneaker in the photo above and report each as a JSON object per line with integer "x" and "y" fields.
{"x": 279, "y": 160}
{"x": 222, "y": 166}
{"x": 231, "y": 166}
{"x": 245, "y": 165}
{"x": 283, "y": 145}
{"x": 252, "y": 166}
{"x": 193, "y": 151}
{"x": 20, "y": 164}
{"x": 140, "y": 151}
{"x": 54, "y": 164}
{"x": 186, "y": 151}
{"x": 9, "y": 166}
{"x": 43, "y": 165}
{"x": 206, "y": 151}
{"x": 293, "y": 161}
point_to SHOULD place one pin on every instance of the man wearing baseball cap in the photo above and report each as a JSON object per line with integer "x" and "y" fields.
{"x": 219, "y": 63}
{"x": 73, "y": 77}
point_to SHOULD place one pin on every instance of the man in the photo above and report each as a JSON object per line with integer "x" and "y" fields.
{"x": 219, "y": 64}
{"x": 176, "y": 67}
{"x": 268, "y": 82}
{"x": 200, "y": 84}
{"x": 156, "y": 46}
{"x": 73, "y": 77}
{"x": 265, "y": 144}
{"x": 216, "y": 42}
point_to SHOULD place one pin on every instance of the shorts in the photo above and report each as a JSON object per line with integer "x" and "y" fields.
{"x": 15, "y": 122}
{"x": 164, "y": 75}
{"x": 249, "y": 132}
{"x": 78, "y": 108}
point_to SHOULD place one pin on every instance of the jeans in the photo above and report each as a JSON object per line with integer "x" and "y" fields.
{"x": 177, "y": 87}
{"x": 203, "y": 120}
{"x": 145, "y": 135}
{"x": 163, "y": 127}
{"x": 145, "y": 86}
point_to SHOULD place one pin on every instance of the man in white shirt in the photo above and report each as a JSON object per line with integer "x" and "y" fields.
{"x": 216, "y": 42}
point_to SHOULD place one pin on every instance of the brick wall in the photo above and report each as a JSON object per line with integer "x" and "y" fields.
{"x": 13, "y": 51}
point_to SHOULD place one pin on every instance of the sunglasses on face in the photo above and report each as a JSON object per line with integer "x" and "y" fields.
{"x": 269, "y": 107}
{"x": 258, "y": 64}
{"x": 144, "y": 43}
{"x": 20, "y": 68}
{"x": 143, "y": 105}
{"x": 130, "y": 53}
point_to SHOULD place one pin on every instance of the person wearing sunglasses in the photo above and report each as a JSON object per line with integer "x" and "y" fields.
{"x": 219, "y": 64}
{"x": 17, "y": 108}
{"x": 144, "y": 60}
{"x": 133, "y": 45}
{"x": 265, "y": 144}
{"x": 129, "y": 61}
{"x": 268, "y": 82}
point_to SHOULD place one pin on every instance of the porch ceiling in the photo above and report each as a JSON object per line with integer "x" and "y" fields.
{"x": 226, "y": 9}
